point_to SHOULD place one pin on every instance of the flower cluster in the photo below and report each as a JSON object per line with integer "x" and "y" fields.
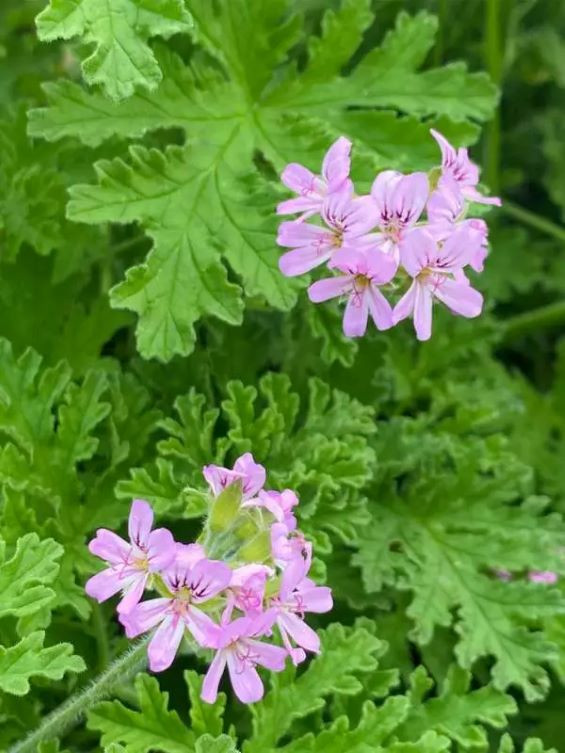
{"x": 245, "y": 579}
{"x": 383, "y": 239}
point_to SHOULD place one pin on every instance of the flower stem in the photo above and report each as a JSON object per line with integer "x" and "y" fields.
{"x": 544, "y": 317}
{"x": 101, "y": 637}
{"x": 62, "y": 719}
{"x": 533, "y": 220}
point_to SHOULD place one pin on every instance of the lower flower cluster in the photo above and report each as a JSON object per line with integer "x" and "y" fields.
{"x": 242, "y": 589}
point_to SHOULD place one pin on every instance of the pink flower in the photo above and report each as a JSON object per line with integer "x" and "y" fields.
{"x": 191, "y": 580}
{"x": 238, "y": 647}
{"x": 456, "y": 164}
{"x": 364, "y": 272}
{"x": 247, "y": 588}
{"x": 279, "y": 504}
{"x": 543, "y": 576}
{"x": 298, "y": 595}
{"x": 313, "y": 189}
{"x": 287, "y": 545}
{"x": 250, "y": 474}
{"x": 400, "y": 200}
{"x": 130, "y": 565}
{"x": 433, "y": 268}
{"x": 446, "y": 210}
{"x": 348, "y": 219}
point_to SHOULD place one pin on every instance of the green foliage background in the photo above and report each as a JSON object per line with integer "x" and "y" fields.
{"x": 145, "y": 330}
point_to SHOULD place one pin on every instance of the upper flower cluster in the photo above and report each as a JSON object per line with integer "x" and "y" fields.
{"x": 245, "y": 576}
{"x": 412, "y": 226}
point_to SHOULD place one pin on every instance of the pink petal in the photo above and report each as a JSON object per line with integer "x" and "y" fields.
{"x": 300, "y": 632}
{"x": 110, "y": 547}
{"x": 381, "y": 267}
{"x": 293, "y": 574}
{"x": 446, "y": 203}
{"x": 203, "y": 629}
{"x": 331, "y": 287}
{"x": 382, "y": 191}
{"x": 336, "y": 164}
{"x": 213, "y": 676}
{"x": 187, "y": 555}
{"x": 242, "y": 574}
{"x": 160, "y": 549}
{"x": 245, "y": 680}
{"x": 473, "y": 195}
{"x": 418, "y": 250}
{"x": 253, "y": 474}
{"x": 140, "y": 522}
{"x": 144, "y": 616}
{"x": 298, "y": 234}
{"x": 405, "y": 306}
{"x": 133, "y": 593}
{"x": 302, "y": 260}
{"x": 543, "y": 576}
{"x": 267, "y": 655}
{"x": 316, "y": 599}
{"x": 300, "y": 180}
{"x": 448, "y": 153}
{"x": 337, "y": 207}
{"x": 461, "y": 298}
{"x": 356, "y": 314}
{"x": 409, "y": 197}
{"x": 164, "y": 645}
{"x": 379, "y": 307}
{"x": 361, "y": 217}
{"x": 208, "y": 578}
{"x": 460, "y": 248}
{"x": 105, "y": 584}
{"x": 218, "y": 478}
{"x": 423, "y": 312}
{"x": 302, "y": 204}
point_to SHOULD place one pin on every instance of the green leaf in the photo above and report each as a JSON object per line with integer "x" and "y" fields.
{"x": 151, "y": 727}
{"x": 207, "y": 204}
{"x": 443, "y": 540}
{"x": 457, "y": 710}
{"x": 121, "y": 61}
{"x": 209, "y": 744}
{"x": 25, "y": 577}
{"x": 28, "y": 658}
{"x": 346, "y": 653}
{"x": 205, "y": 718}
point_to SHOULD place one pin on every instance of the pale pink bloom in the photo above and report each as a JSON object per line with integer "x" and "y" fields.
{"x": 446, "y": 211}
{"x": 279, "y": 504}
{"x": 348, "y": 220}
{"x": 543, "y": 576}
{"x": 130, "y": 564}
{"x": 433, "y": 267}
{"x": 400, "y": 200}
{"x": 287, "y": 545}
{"x": 250, "y": 474}
{"x": 191, "y": 580}
{"x": 298, "y": 595}
{"x": 238, "y": 648}
{"x": 364, "y": 272}
{"x": 456, "y": 163}
{"x": 313, "y": 189}
{"x": 247, "y": 589}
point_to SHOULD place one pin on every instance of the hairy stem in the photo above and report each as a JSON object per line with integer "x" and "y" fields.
{"x": 62, "y": 719}
{"x": 544, "y": 317}
{"x": 101, "y": 637}
{"x": 533, "y": 220}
